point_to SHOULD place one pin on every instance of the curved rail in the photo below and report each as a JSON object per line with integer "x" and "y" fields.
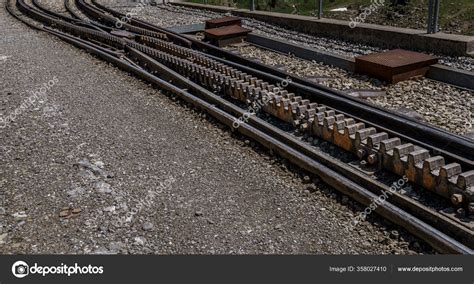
{"x": 458, "y": 148}
{"x": 227, "y": 113}
{"x": 399, "y": 154}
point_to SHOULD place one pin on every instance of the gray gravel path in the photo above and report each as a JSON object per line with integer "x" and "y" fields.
{"x": 104, "y": 163}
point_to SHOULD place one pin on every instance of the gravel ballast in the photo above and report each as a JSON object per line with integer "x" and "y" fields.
{"x": 437, "y": 103}
{"x": 104, "y": 163}
{"x": 172, "y": 15}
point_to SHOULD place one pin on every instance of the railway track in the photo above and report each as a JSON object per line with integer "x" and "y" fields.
{"x": 222, "y": 84}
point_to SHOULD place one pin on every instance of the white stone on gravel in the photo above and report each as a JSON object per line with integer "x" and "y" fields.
{"x": 101, "y": 251}
{"x": 117, "y": 247}
{"x": 99, "y": 164}
{"x": 3, "y": 238}
{"x": 103, "y": 187}
{"x": 139, "y": 241}
{"x": 19, "y": 215}
{"x": 93, "y": 168}
{"x": 147, "y": 226}
{"x": 109, "y": 209}
{"x": 76, "y": 192}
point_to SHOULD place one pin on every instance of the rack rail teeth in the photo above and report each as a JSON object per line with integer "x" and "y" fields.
{"x": 378, "y": 149}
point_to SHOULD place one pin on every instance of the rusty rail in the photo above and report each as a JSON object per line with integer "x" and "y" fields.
{"x": 160, "y": 56}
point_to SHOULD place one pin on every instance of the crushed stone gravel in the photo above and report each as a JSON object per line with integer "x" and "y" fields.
{"x": 437, "y": 103}
{"x": 172, "y": 15}
{"x": 102, "y": 155}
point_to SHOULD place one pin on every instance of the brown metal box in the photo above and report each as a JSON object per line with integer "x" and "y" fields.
{"x": 224, "y": 21}
{"x": 226, "y": 35}
{"x": 395, "y": 65}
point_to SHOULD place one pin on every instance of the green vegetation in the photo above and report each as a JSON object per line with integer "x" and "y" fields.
{"x": 304, "y": 7}
{"x": 456, "y": 16}
{"x": 458, "y": 12}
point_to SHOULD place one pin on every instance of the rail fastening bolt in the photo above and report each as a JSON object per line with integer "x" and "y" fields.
{"x": 456, "y": 198}
{"x": 361, "y": 153}
{"x": 471, "y": 208}
{"x": 372, "y": 159}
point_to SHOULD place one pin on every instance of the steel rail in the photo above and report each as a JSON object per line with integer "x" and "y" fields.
{"x": 45, "y": 28}
{"x": 16, "y": 16}
{"x": 68, "y": 19}
{"x": 446, "y": 180}
{"x": 40, "y": 6}
{"x": 426, "y": 214}
{"x": 437, "y": 239}
{"x": 458, "y": 148}
{"x": 450, "y": 227}
{"x": 68, "y": 6}
{"x": 101, "y": 15}
{"x": 450, "y": 145}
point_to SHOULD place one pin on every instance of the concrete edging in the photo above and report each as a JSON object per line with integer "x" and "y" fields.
{"x": 445, "y": 74}
{"x": 307, "y": 53}
{"x": 438, "y": 72}
{"x": 378, "y": 35}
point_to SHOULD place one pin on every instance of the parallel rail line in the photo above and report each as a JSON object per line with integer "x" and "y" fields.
{"x": 209, "y": 80}
{"x": 438, "y": 140}
{"x": 380, "y": 150}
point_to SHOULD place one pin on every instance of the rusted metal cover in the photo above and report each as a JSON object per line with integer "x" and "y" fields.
{"x": 226, "y": 35}
{"x": 395, "y": 65}
{"x": 224, "y": 21}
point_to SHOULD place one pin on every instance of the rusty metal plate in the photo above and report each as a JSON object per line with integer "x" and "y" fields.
{"x": 226, "y": 35}
{"x": 226, "y": 32}
{"x": 394, "y": 65}
{"x": 224, "y": 21}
